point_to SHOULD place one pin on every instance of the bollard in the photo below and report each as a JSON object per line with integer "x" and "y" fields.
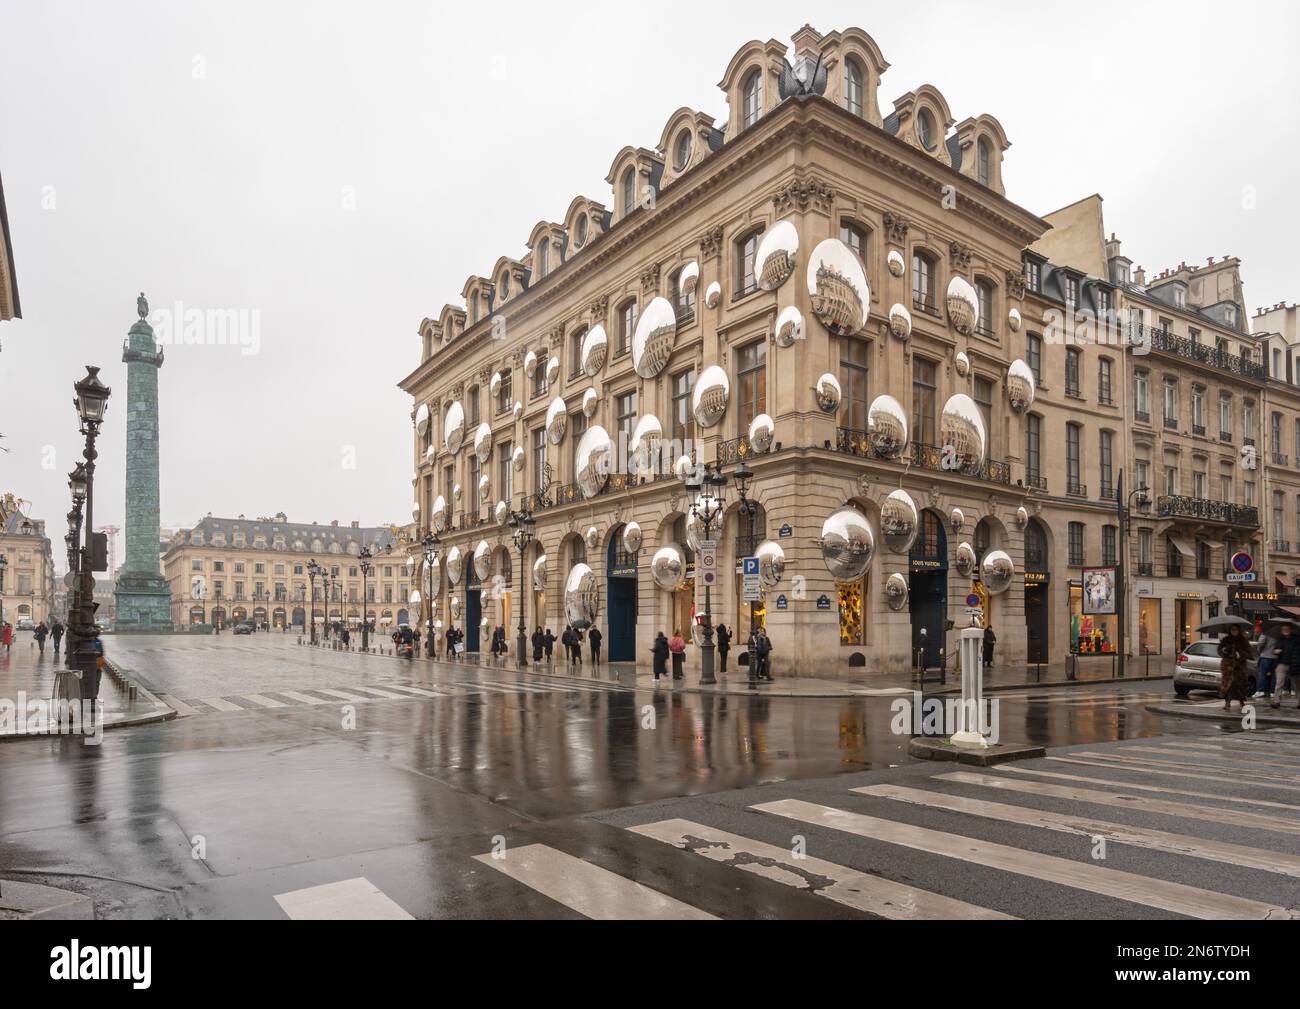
{"x": 972, "y": 690}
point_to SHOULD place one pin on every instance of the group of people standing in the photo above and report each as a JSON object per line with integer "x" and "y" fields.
{"x": 1278, "y": 663}
{"x": 758, "y": 648}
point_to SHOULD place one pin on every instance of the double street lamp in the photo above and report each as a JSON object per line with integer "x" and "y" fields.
{"x": 366, "y": 567}
{"x": 430, "y": 545}
{"x": 522, "y": 526}
{"x": 707, "y": 492}
{"x": 84, "y": 653}
{"x": 313, "y": 569}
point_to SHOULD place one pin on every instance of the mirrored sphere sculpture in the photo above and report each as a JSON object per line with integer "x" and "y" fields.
{"x": 643, "y": 446}
{"x": 429, "y": 454}
{"x": 483, "y": 560}
{"x": 519, "y": 458}
{"x": 963, "y": 306}
{"x": 589, "y": 401}
{"x": 595, "y": 348}
{"x": 713, "y": 295}
{"x": 415, "y": 512}
{"x": 761, "y": 430}
{"x": 455, "y": 607}
{"x": 592, "y": 538}
{"x": 965, "y": 560}
{"x": 422, "y": 419}
{"x": 594, "y": 460}
{"x": 683, "y": 467}
{"x": 530, "y": 363}
{"x": 455, "y": 565}
{"x": 900, "y": 322}
{"x": 963, "y": 440}
{"x": 483, "y": 441}
{"x": 771, "y": 563}
{"x": 775, "y": 257}
{"x": 557, "y": 421}
{"x": 439, "y": 516}
{"x": 437, "y": 625}
{"x": 709, "y": 401}
{"x": 899, "y": 521}
{"x": 501, "y": 512}
{"x": 518, "y": 410}
{"x": 495, "y": 384}
{"x": 539, "y": 573}
{"x": 847, "y": 544}
{"x": 957, "y": 519}
{"x": 828, "y": 393}
{"x": 484, "y": 488}
{"x": 652, "y": 342}
{"x": 997, "y": 571}
{"x": 1020, "y": 386}
{"x": 581, "y": 597}
{"x": 840, "y": 295}
{"x": 694, "y": 526}
{"x": 697, "y": 633}
{"x": 631, "y": 538}
{"x": 1013, "y": 320}
{"x": 896, "y": 592}
{"x": 414, "y": 598}
{"x": 668, "y": 567}
{"x": 961, "y": 362}
{"x": 896, "y": 264}
{"x": 453, "y": 427}
{"x": 689, "y": 278}
{"x": 1022, "y": 517}
{"x": 483, "y": 623}
{"x": 789, "y": 327}
{"x": 887, "y": 427}
{"x": 552, "y": 371}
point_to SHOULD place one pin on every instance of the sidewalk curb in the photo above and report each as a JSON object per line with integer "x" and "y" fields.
{"x": 1226, "y": 718}
{"x": 126, "y": 722}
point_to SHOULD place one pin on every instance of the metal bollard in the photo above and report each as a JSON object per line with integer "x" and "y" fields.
{"x": 972, "y": 690}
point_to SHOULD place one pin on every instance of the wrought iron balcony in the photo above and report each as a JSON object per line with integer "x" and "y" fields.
{"x": 921, "y": 305}
{"x": 1225, "y": 436}
{"x": 1171, "y": 423}
{"x": 930, "y": 457}
{"x": 1107, "y": 492}
{"x": 1281, "y": 547}
{"x": 1279, "y": 459}
{"x": 1076, "y": 489}
{"x": 1162, "y": 340}
{"x": 1248, "y": 440}
{"x": 1207, "y": 510}
{"x": 736, "y": 450}
{"x": 1142, "y": 416}
{"x": 1145, "y": 568}
{"x": 1198, "y": 429}
{"x": 1037, "y": 482}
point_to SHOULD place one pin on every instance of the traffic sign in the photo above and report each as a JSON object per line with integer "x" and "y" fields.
{"x": 707, "y": 561}
{"x": 1242, "y": 562}
{"x": 973, "y": 600}
{"x": 753, "y": 591}
{"x": 1238, "y": 577}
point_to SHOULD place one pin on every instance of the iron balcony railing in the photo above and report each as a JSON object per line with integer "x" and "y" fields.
{"x": 1281, "y": 546}
{"x": 1207, "y": 510}
{"x": 1162, "y": 340}
{"x": 1038, "y": 482}
{"x": 1146, "y": 568}
{"x": 928, "y": 457}
{"x": 1173, "y": 569}
{"x": 1171, "y": 423}
{"x": 737, "y": 450}
{"x": 1279, "y": 459}
{"x": 1076, "y": 489}
{"x": 1143, "y": 416}
{"x": 1199, "y": 430}
{"x": 1225, "y": 436}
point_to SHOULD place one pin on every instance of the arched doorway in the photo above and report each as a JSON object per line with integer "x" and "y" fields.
{"x": 403, "y": 617}
{"x": 928, "y": 587}
{"x": 473, "y": 607}
{"x": 1038, "y": 578}
{"x": 621, "y": 603}
{"x": 238, "y": 615}
{"x": 683, "y": 608}
{"x": 751, "y": 530}
{"x": 277, "y": 617}
{"x": 299, "y": 617}
{"x": 218, "y": 617}
{"x": 259, "y": 615}
{"x": 196, "y": 614}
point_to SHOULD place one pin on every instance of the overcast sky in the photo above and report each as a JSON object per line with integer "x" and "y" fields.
{"x": 339, "y": 169}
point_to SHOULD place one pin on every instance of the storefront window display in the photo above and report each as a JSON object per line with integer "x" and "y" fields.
{"x": 1149, "y": 626}
{"x": 1091, "y": 634}
{"x": 852, "y": 629}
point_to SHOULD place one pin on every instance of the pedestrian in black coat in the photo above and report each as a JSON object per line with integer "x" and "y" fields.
{"x": 660, "y": 652}
{"x": 539, "y": 642}
{"x": 39, "y": 635}
{"x": 724, "y": 645}
{"x": 763, "y": 645}
{"x": 990, "y": 639}
{"x": 549, "y": 640}
{"x": 595, "y": 637}
{"x": 56, "y": 632}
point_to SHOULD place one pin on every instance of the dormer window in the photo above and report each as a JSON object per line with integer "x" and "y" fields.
{"x": 1231, "y": 315}
{"x": 752, "y": 99}
{"x": 983, "y": 157}
{"x": 853, "y": 86}
{"x": 582, "y": 232}
{"x": 1071, "y": 291}
{"x": 1033, "y": 275}
{"x": 543, "y": 251}
{"x": 682, "y": 150}
{"x": 925, "y": 129}
{"x": 1180, "y": 297}
{"x": 629, "y": 191}
{"x": 504, "y": 286}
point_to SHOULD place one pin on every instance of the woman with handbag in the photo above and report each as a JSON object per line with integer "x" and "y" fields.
{"x": 678, "y": 648}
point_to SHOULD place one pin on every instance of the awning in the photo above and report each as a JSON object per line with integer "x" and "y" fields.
{"x": 1283, "y": 582}
{"x": 1184, "y": 548}
{"x": 1293, "y": 610}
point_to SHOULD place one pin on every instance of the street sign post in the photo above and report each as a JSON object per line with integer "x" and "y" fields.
{"x": 753, "y": 591}
{"x": 707, "y": 562}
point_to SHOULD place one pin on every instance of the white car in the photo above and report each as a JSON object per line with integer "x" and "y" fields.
{"x": 1200, "y": 668}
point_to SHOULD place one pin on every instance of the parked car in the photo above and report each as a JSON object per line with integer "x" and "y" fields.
{"x": 1200, "y": 668}
{"x": 25, "y": 624}
{"x": 243, "y": 628}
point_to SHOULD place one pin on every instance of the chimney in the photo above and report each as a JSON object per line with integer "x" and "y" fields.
{"x": 356, "y": 525}
{"x": 334, "y": 524}
{"x": 1140, "y": 277}
{"x": 806, "y": 41}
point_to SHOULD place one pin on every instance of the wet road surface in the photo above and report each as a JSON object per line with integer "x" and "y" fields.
{"x": 297, "y": 769}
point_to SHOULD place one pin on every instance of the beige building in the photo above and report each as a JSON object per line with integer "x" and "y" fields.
{"x": 227, "y": 571}
{"x": 27, "y": 581}
{"x": 782, "y": 274}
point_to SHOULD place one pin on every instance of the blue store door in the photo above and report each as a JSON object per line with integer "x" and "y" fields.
{"x": 620, "y": 568}
{"x": 473, "y": 614}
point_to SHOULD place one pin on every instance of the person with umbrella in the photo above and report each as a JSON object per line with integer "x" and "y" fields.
{"x": 1234, "y": 653}
{"x": 1288, "y": 655}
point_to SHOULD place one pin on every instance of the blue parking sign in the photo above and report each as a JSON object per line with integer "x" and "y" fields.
{"x": 751, "y": 565}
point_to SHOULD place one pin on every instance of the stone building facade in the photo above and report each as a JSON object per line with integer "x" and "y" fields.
{"x": 227, "y": 571}
{"x": 27, "y": 592}
{"x": 808, "y": 236}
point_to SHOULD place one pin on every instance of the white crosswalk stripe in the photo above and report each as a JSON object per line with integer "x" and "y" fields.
{"x": 859, "y": 890}
{"x": 347, "y": 900}
{"x": 589, "y": 889}
{"x": 1130, "y": 786}
{"x": 1136, "y": 766}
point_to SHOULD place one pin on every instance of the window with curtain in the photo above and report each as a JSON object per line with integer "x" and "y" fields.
{"x": 922, "y": 282}
{"x": 746, "y": 249}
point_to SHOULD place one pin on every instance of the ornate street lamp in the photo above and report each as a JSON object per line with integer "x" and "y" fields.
{"x": 313, "y": 569}
{"x": 4, "y": 563}
{"x": 84, "y": 652}
{"x": 430, "y": 545}
{"x": 522, "y": 527}
{"x": 706, "y": 504}
{"x": 366, "y": 568}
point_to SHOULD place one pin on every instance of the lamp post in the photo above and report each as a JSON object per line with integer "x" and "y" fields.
{"x": 4, "y": 563}
{"x": 522, "y": 525}
{"x": 366, "y": 568}
{"x": 217, "y": 607}
{"x": 313, "y": 569}
{"x": 706, "y": 504}
{"x": 430, "y": 545}
{"x": 91, "y": 402}
{"x": 326, "y": 584}
{"x": 1123, "y": 504}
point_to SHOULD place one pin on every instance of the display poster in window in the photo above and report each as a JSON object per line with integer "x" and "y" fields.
{"x": 1099, "y": 596}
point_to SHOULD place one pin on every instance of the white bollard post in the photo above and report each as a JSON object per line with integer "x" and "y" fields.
{"x": 972, "y": 690}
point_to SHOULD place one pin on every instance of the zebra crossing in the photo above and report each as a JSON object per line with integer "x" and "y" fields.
{"x": 271, "y": 700}
{"x": 1203, "y": 827}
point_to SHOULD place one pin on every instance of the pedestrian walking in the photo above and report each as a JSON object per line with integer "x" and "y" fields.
{"x": 990, "y": 639}
{"x": 39, "y": 634}
{"x": 724, "y": 645}
{"x": 595, "y": 637}
{"x": 660, "y": 652}
{"x": 577, "y": 645}
{"x": 1268, "y": 648}
{"x": 548, "y": 639}
{"x": 763, "y": 646}
{"x": 751, "y": 655}
{"x": 539, "y": 644}
{"x": 7, "y": 636}
{"x": 678, "y": 647}
{"x": 1234, "y": 651}
{"x": 1288, "y": 661}
{"x": 56, "y": 632}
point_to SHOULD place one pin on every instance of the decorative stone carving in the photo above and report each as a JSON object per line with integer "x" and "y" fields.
{"x": 556, "y": 338}
{"x": 650, "y": 281}
{"x": 959, "y": 255}
{"x": 802, "y": 192}
{"x": 1016, "y": 284}
{"x": 895, "y": 227}
{"x": 935, "y": 497}
{"x": 711, "y": 242}
{"x": 599, "y": 308}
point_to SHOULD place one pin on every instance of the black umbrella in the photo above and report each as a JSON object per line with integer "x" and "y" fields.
{"x": 1221, "y": 624}
{"x": 1275, "y": 623}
